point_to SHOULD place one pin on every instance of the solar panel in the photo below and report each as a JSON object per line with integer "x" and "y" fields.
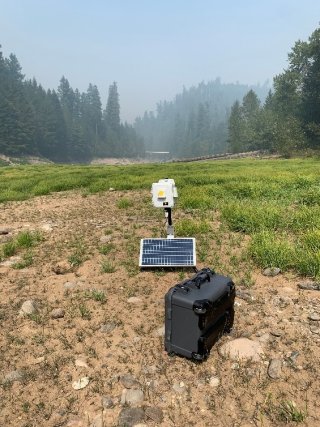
{"x": 180, "y": 252}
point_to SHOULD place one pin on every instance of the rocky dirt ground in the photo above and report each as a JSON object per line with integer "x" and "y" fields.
{"x": 82, "y": 332}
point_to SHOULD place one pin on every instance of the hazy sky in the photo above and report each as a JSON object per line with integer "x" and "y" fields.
{"x": 151, "y": 48}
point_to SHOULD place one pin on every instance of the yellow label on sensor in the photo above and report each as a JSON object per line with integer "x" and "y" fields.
{"x": 161, "y": 193}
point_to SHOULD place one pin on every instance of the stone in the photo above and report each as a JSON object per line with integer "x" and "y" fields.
{"x": 81, "y": 383}
{"x": 13, "y": 376}
{"x": 57, "y": 313}
{"x": 107, "y": 327}
{"x": 160, "y": 331}
{"x": 11, "y": 261}
{"x": 129, "y": 417}
{"x": 107, "y": 402}
{"x": 276, "y": 333}
{"x": 97, "y": 421}
{"x": 293, "y": 356}
{"x": 155, "y": 414}
{"x": 28, "y": 307}
{"x": 264, "y": 338}
{"x": 315, "y": 317}
{"x": 132, "y": 396}
{"x": 69, "y": 285}
{"x": 274, "y": 368}
{"x": 80, "y": 363}
{"x": 309, "y": 286}
{"x": 62, "y": 267}
{"x": 4, "y": 230}
{"x": 245, "y": 295}
{"x": 314, "y": 329}
{"x": 105, "y": 239}
{"x": 128, "y": 381}
{"x": 76, "y": 422}
{"x": 134, "y": 300}
{"x": 271, "y": 271}
{"x": 46, "y": 227}
{"x": 214, "y": 382}
{"x": 179, "y": 387}
{"x": 242, "y": 349}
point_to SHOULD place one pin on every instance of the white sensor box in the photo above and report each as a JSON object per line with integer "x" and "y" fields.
{"x": 164, "y": 193}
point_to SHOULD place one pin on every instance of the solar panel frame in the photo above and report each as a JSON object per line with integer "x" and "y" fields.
{"x": 175, "y": 252}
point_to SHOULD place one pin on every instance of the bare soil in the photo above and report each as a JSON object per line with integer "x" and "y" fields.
{"x": 46, "y": 351}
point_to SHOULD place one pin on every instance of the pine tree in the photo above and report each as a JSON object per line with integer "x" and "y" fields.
{"x": 236, "y": 128}
{"x": 112, "y": 122}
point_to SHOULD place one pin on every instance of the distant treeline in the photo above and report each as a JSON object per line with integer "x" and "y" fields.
{"x": 63, "y": 125}
{"x": 289, "y": 120}
{"x": 195, "y": 123}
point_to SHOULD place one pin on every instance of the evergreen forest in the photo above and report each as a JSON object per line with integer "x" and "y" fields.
{"x": 289, "y": 120}
{"x": 195, "y": 123}
{"x": 63, "y": 125}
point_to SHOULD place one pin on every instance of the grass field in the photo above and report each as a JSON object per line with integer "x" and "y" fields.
{"x": 75, "y": 305}
{"x": 276, "y": 202}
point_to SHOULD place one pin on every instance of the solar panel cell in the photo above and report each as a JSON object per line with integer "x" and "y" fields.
{"x": 167, "y": 252}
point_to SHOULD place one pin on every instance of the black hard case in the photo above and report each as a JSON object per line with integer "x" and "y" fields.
{"x": 197, "y": 312}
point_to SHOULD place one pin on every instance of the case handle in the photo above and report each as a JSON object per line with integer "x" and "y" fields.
{"x": 202, "y": 276}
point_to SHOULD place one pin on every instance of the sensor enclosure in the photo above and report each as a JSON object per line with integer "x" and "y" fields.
{"x": 164, "y": 193}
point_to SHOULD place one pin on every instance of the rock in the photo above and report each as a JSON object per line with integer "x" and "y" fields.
{"x": 214, "y": 382}
{"x": 293, "y": 356}
{"x": 315, "y": 317}
{"x": 160, "y": 331}
{"x": 38, "y": 360}
{"x": 81, "y": 383}
{"x": 245, "y": 295}
{"x": 81, "y": 363}
{"x": 134, "y": 300}
{"x": 46, "y": 227}
{"x": 264, "y": 338}
{"x": 149, "y": 369}
{"x": 105, "y": 239}
{"x": 57, "y": 313}
{"x": 28, "y": 307}
{"x": 69, "y": 285}
{"x": 276, "y": 333}
{"x": 242, "y": 349}
{"x": 309, "y": 286}
{"x": 97, "y": 421}
{"x": 4, "y": 230}
{"x": 282, "y": 301}
{"x": 107, "y": 327}
{"x": 107, "y": 402}
{"x": 129, "y": 417}
{"x": 314, "y": 329}
{"x": 128, "y": 381}
{"x": 179, "y": 387}
{"x": 132, "y": 396}
{"x": 155, "y": 414}
{"x": 271, "y": 271}
{"x": 76, "y": 422}
{"x": 274, "y": 369}
{"x": 11, "y": 261}
{"x": 13, "y": 376}
{"x": 62, "y": 267}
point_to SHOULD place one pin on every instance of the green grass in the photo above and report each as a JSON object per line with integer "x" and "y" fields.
{"x": 24, "y": 240}
{"x": 107, "y": 267}
{"x": 124, "y": 203}
{"x": 275, "y": 202}
{"x": 107, "y": 248}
